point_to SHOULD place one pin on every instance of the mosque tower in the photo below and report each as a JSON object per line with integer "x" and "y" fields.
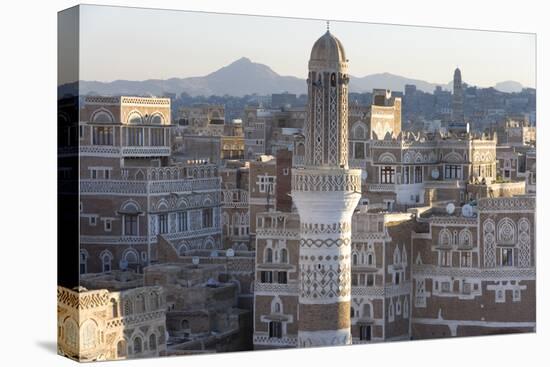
{"x": 326, "y": 192}
{"x": 457, "y": 115}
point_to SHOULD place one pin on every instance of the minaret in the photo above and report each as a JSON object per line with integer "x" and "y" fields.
{"x": 457, "y": 115}
{"x": 326, "y": 193}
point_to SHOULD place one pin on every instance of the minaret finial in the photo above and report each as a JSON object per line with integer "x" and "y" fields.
{"x": 328, "y": 26}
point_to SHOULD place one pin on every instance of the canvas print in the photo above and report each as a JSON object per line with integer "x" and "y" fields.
{"x": 237, "y": 183}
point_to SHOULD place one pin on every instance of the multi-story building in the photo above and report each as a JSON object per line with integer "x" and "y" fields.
{"x": 475, "y": 274}
{"x": 130, "y": 191}
{"x": 98, "y": 325}
{"x": 435, "y": 233}
{"x": 235, "y": 205}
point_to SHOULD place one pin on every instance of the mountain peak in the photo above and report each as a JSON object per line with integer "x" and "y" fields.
{"x": 242, "y": 60}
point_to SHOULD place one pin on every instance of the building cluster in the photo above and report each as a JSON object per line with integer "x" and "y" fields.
{"x": 329, "y": 224}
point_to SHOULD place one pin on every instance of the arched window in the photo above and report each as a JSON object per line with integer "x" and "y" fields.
{"x": 138, "y": 346}
{"x": 152, "y": 342}
{"x": 89, "y": 331}
{"x": 354, "y": 259}
{"x": 268, "y": 255}
{"x": 506, "y": 232}
{"x": 277, "y": 307}
{"x": 71, "y": 333}
{"x": 352, "y": 313}
{"x": 445, "y": 238}
{"x": 465, "y": 238}
{"x": 121, "y": 349}
{"x": 83, "y": 262}
{"x": 131, "y": 257}
{"x": 106, "y": 259}
{"x": 370, "y": 258}
{"x": 396, "y": 256}
{"x": 135, "y": 118}
{"x": 156, "y": 119}
{"x": 367, "y": 311}
{"x": 284, "y": 256}
{"x": 114, "y": 307}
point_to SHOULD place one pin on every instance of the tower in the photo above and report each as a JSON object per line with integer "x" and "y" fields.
{"x": 458, "y": 98}
{"x": 326, "y": 193}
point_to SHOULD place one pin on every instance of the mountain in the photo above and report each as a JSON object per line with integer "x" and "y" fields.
{"x": 243, "y": 77}
{"x": 237, "y": 79}
{"x": 509, "y": 86}
{"x": 389, "y": 81}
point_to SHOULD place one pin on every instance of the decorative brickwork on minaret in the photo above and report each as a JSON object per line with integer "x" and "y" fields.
{"x": 326, "y": 193}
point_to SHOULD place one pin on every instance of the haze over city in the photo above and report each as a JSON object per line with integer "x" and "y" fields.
{"x": 159, "y": 44}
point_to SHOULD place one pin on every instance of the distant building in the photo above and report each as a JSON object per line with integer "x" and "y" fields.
{"x": 457, "y": 123}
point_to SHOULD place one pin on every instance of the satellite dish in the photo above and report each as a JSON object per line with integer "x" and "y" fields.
{"x": 450, "y": 208}
{"x": 435, "y": 173}
{"x": 467, "y": 211}
{"x": 195, "y": 260}
{"x": 230, "y": 253}
{"x": 214, "y": 253}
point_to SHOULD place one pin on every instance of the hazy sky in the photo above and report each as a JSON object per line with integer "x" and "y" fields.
{"x": 138, "y": 44}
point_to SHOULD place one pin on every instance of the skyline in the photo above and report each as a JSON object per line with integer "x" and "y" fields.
{"x": 138, "y": 52}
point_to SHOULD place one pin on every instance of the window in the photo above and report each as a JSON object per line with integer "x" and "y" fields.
{"x": 102, "y": 135}
{"x": 266, "y": 183}
{"x": 507, "y": 257}
{"x": 284, "y": 256}
{"x": 152, "y": 342}
{"x": 365, "y": 332}
{"x": 370, "y": 259}
{"x": 93, "y": 220}
{"x": 163, "y": 223}
{"x": 354, "y": 280}
{"x": 387, "y": 175}
{"x": 406, "y": 179}
{"x": 207, "y": 218}
{"x": 121, "y": 349}
{"x": 418, "y": 174}
{"x": 130, "y": 225}
{"x": 352, "y": 313}
{"x": 359, "y": 150}
{"x": 285, "y": 171}
{"x": 106, "y": 262}
{"x": 275, "y": 329}
{"x": 268, "y": 255}
{"x": 114, "y": 307}
{"x": 182, "y": 221}
{"x": 157, "y": 137}
{"x": 445, "y": 258}
{"x": 354, "y": 259}
{"x": 81, "y": 131}
{"x": 466, "y": 259}
{"x": 83, "y": 262}
{"x": 93, "y": 174}
{"x": 108, "y": 225}
{"x": 266, "y": 277}
{"x": 396, "y": 278}
{"x": 370, "y": 280}
{"x": 137, "y": 345}
{"x": 453, "y": 172}
{"x": 107, "y": 174}
{"x": 445, "y": 287}
{"x": 135, "y": 136}
{"x": 281, "y": 277}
